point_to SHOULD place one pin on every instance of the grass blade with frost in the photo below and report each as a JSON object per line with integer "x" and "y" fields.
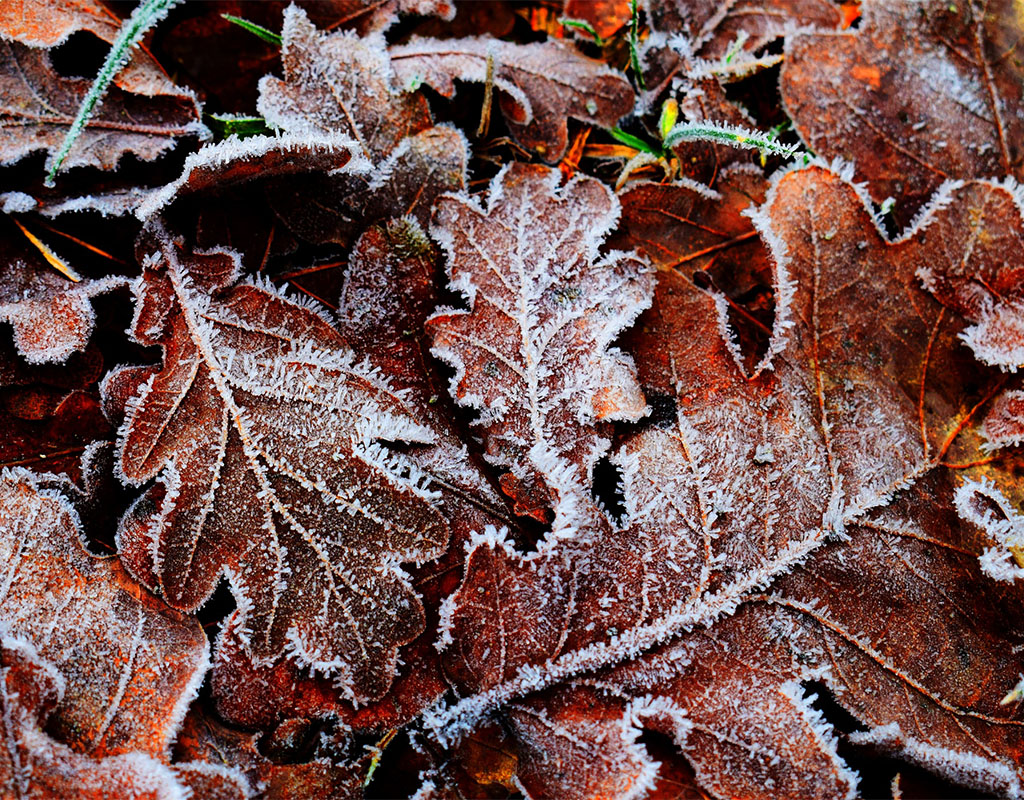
{"x": 145, "y": 16}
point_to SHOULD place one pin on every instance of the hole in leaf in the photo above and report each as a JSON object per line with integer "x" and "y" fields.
{"x": 81, "y": 56}
{"x": 702, "y": 279}
{"x": 607, "y": 488}
{"x": 216, "y": 609}
{"x": 877, "y": 769}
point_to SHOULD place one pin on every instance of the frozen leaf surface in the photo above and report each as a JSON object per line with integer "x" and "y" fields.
{"x": 982, "y": 221}
{"x": 714, "y": 27}
{"x": 340, "y": 83}
{"x": 844, "y": 426}
{"x": 143, "y": 112}
{"x": 267, "y": 437}
{"x": 33, "y": 766}
{"x": 1004, "y": 423}
{"x": 51, "y": 315}
{"x": 128, "y": 664}
{"x": 541, "y": 85}
{"x": 920, "y": 93}
{"x": 533, "y": 354}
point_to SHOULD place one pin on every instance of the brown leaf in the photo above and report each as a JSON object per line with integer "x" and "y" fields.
{"x": 921, "y": 93}
{"x": 533, "y": 353}
{"x": 339, "y": 83}
{"x": 714, "y": 26}
{"x": 540, "y": 85}
{"x": 1004, "y": 423}
{"x": 265, "y": 434}
{"x": 206, "y": 742}
{"x": 984, "y": 220}
{"x": 51, "y": 315}
{"x": 849, "y": 415}
{"x": 142, "y": 113}
{"x": 34, "y": 766}
{"x": 128, "y": 664}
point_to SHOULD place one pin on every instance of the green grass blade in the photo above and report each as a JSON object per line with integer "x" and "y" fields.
{"x": 582, "y": 25}
{"x": 257, "y": 30}
{"x": 145, "y": 16}
{"x": 633, "y": 141}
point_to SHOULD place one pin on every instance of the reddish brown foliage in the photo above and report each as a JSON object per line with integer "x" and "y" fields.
{"x": 421, "y": 469}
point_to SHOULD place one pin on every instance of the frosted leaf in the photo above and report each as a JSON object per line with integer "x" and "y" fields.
{"x": 924, "y": 647}
{"x": 984, "y": 506}
{"x": 716, "y": 28}
{"x": 1004, "y": 423}
{"x": 577, "y": 744}
{"x": 51, "y": 315}
{"x": 540, "y": 85}
{"x": 958, "y": 112}
{"x": 34, "y": 766}
{"x": 205, "y": 743}
{"x": 129, "y": 665}
{"x": 236, "y": 162}
{"x": 533, "y": 354}
{"x": 43, "y": 24}
{"x": 760, "y": 479}
{"x": 142, "y": 113}
{"x": 407, "y": 182}
{"x": 731, "y": 699}
{"x": 972, "y": 250}
{"x": 339, "y": 83}
{"x": 482, "y": 624}
{"x": 266, "y": 438}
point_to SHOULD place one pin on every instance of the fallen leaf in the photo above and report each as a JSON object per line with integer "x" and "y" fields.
{"x": 919, "y": 94}
{"x": 143, "y": 113}
{"x": 128, "y": 665}
{"x": 532, "y": 354}
{"x": 265, "y": 422}
{"x": 540, "y": 85}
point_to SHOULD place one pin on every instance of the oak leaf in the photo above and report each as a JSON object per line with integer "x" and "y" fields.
{"x": 919, "y": 94}
{"x": 539, "y": 85}
{"x": 36, "y": 767}
{"x": 267, "y": 436}
{"x": 533, "y": 354}
{"x": 143, "y": 113}
{"x": 845, "y": 426}
{"x": 129, "y": 664}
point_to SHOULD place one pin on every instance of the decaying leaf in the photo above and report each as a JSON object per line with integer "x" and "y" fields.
{"x": 879, "y": 400}
{"x": 143, "y": 113}
{"x": 706, "y": 488}
{"x": 34, "y": 766}
{"x": 340, "y": 83}
{"x": 533, "y": 353}
{"x": 717, "y": 27}
{"x": 267, "y": 438}
{"x": 129, "y": 666}
{"x": 540, "y": 85}
{"x": 51, "y": 314}
{"x": 920, "y": 93}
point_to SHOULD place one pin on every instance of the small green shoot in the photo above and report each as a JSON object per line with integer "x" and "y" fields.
{"x": 634, "y": 43}
{"x": 257, "y": 30}
{"x": 634, "y": 141}
{"x": 225, "y": 125}
{"x": 582, "y": 25}
{"x": 146, "y": 15}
